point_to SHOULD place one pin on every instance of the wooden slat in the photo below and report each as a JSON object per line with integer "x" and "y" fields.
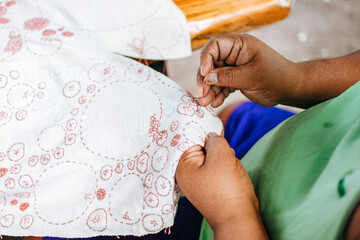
{"x": 208, "y": 18}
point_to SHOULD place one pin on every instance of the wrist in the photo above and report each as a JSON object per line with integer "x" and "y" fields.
{"x": 244, "y": 222}
{"x": 292, "y": 83}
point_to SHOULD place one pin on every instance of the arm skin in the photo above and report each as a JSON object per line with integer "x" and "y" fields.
{"x": 243, "y": 62}
{"x": 216, "y": 183}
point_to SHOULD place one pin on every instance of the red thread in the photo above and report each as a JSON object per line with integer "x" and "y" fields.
{"x": 206, "y": 78}
{"x": 36, "y": 24}
{"x": 142, "y": 162}
{"x": 141, "y": 50}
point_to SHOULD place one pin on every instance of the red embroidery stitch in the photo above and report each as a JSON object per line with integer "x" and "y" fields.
{"x": 82, "y": 100}
{"x": 166, "y": 209}
{"x": 5, "y": 115}
{"x": 101, "y": 194}
{"x": 67, "y": 34}
{"x": 33, "y": 161}
{"x": 75, "y": 111}
{"x": 15, "y": 169}
{"x": 10, "y": 3}
{"x": 44, "y": 159}
{"x": 183, "y": 146}
{"x": 174, "y": 125}
{"x": 152, "y": 200}
{"x": 142, "y": 162}
{"x": 154, "y": 127}
{"x": 15, "y": 42}
{"x": 42, "y": 85}
{"x": 70, "y": 139}
{"x": 175, "y": 140}
{"x": 163, "y": 186}
{"x": 3, "y": 172}
{"x": 27, "y": 221}
{"x": 24, "y": 206}
{"x": 10, "y": 183}
{"x": 59, "y": 153}
{"x": 7, "y": 220}
{"x": 138, "y": 73}
{"x": 185, "y": 109}
{"x": 149, "y": 180}
{"x": 48, "y": 32}
{"x": 71, "y": 89}
{"x": 21, "y": 115}
{"x": 97, "y": 220}
{"x": 14, "y": 202}
{"x": 23, "y": 195}
{"x": 119, "y": 168}
{"x": 21, "y": 95}
{"x": 16, "y": 152}
{"x": 36, "y": 24}
{"x": 25, "y": 181}
{"x": 106, "y": 172}
{"x": 3, "y": 11}
{"x": 2, "y": 156}
{"x": 4, "y": 20}
{"x": 91, "y": 88}
{"x": 160, "y": 159}
{"x": 131, "y": 165}
{"x": 101, "y": 72}
{"x": 152, "y": 222}
{"x": 161, "y": 137}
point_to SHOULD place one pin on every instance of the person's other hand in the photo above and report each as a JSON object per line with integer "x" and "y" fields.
{"x": 217, "y": 184}
{"x": 242, "y": 62}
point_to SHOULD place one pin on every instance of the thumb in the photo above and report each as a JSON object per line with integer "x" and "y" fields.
{"x": 233, "y": 77}
{"x": 191, "y": 159}
{"x": 216, "y": 147}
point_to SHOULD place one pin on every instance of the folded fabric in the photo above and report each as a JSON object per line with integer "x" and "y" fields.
{"x": 151, "y": 29}
{"x": 89, "y": 145}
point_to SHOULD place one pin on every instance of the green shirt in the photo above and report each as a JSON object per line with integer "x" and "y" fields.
{"x": 306, "y": 171}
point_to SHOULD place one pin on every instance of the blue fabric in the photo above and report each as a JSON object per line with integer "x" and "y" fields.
{"x": 245, "y": 126}
{"x": 249, "y": 122}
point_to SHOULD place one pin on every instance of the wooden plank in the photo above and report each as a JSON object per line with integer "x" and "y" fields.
{"x": 208, "y": 18}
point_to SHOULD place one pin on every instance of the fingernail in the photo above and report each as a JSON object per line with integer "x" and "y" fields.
{"x": 200, "y": 92}
{"x": 201, "y": 70}
{"x": 213, "y": 78}
{"x": 209, "y": 135}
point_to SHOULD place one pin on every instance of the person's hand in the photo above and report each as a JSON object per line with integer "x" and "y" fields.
{"x": 217, "y": 184}
{"x": 245, "y": 63}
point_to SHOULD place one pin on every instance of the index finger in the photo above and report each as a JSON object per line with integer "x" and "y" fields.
{"x": 217, "y": 48}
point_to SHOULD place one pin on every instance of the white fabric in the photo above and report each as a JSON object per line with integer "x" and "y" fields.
{"x": 89, "y": 140}
{"x": 151, "y": 29}
{"x": 90, "y": 143}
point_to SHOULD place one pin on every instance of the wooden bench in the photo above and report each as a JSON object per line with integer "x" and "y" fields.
{"x": 208, "y": 18}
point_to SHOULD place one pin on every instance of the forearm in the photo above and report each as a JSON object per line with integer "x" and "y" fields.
{"x": 247, "y": 225}
{"x": 321, "y": 80}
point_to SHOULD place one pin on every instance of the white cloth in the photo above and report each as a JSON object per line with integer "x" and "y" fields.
{"x": 89, "y": 140}
{"x": 151, "y": 29}
{"x": 89, "y": 145}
